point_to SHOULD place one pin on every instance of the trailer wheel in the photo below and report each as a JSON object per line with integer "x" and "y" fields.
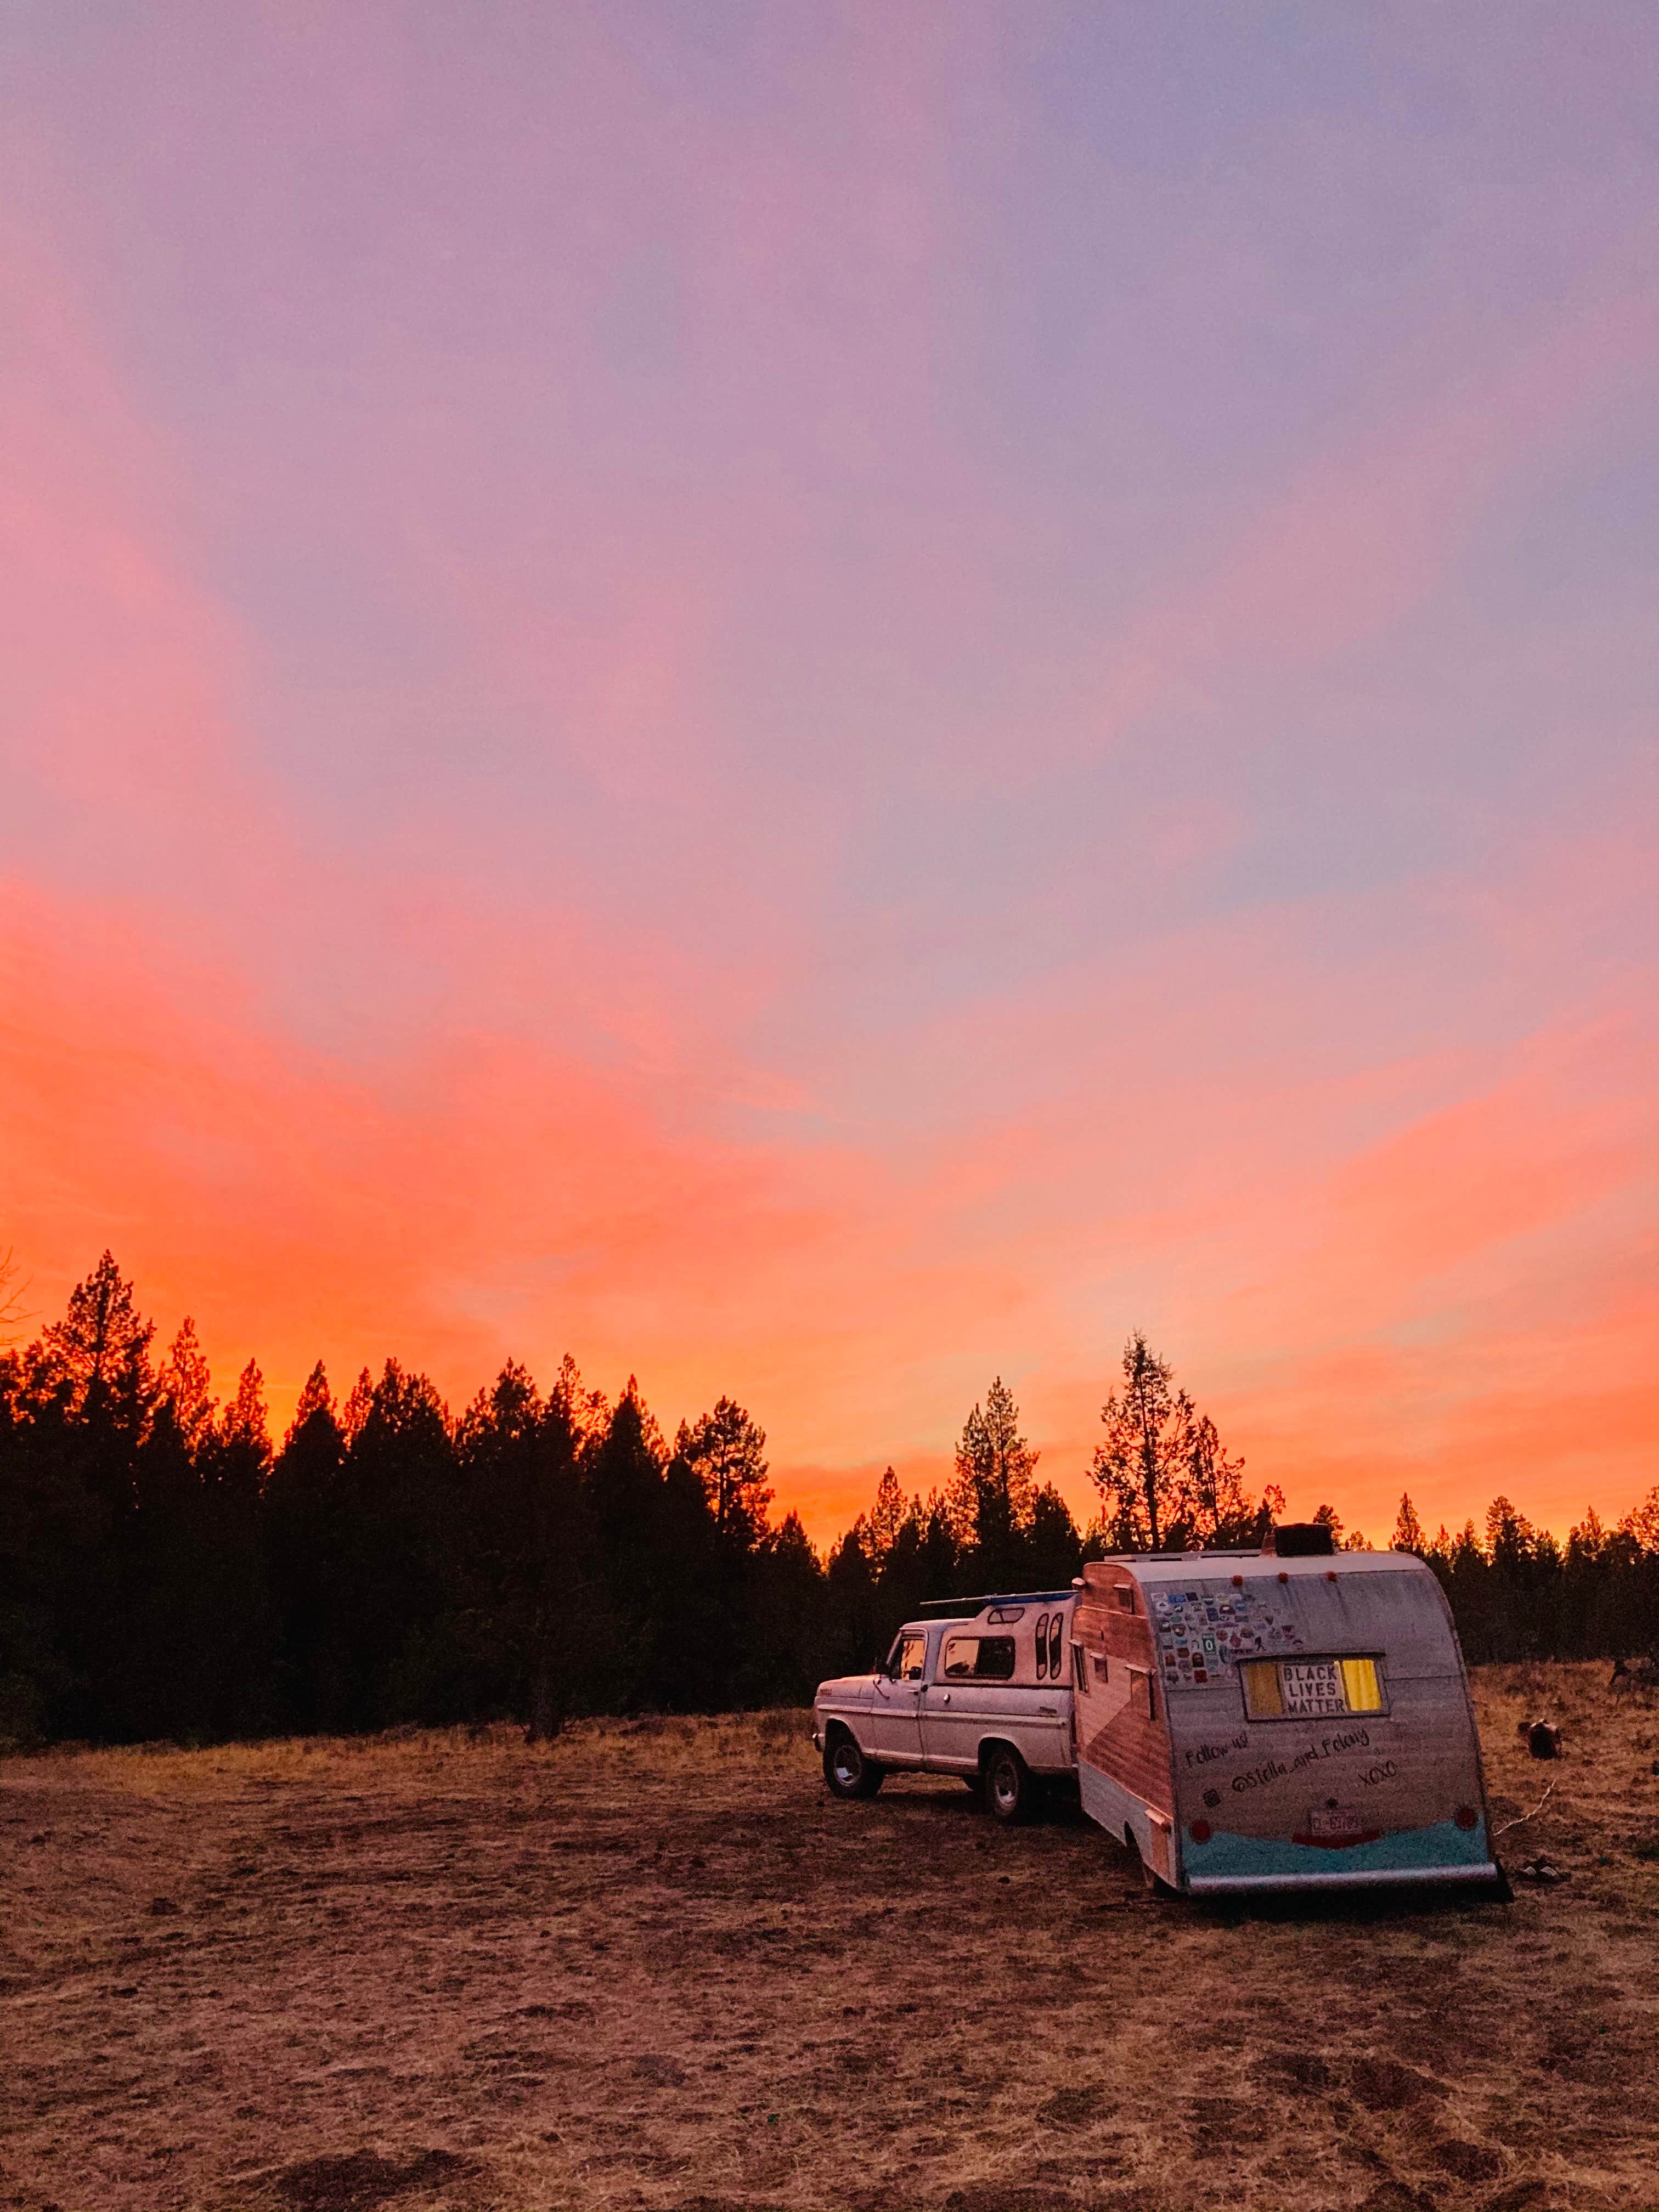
{"x": 847, "y": 1771}
{"x": 1008, "y": 1786}
{"x": 1153, "y": 1884}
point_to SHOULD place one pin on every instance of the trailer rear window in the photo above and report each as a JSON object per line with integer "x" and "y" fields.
{"x": 1306, "y": 1689}
{"x": 980, "y": 1659}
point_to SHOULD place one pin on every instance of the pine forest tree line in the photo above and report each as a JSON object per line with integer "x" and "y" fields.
{"x": 166, "y": 1573}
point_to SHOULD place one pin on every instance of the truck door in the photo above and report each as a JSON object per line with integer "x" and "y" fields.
{"x": 972, "y": 1695}
{"x": 896, "y": 1708}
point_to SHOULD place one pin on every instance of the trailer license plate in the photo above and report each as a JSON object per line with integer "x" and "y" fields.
{"x": 1311, "y": 1686}
{"x": 1336, "y": 1823}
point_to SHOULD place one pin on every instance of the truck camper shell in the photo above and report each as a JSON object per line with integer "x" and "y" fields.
{"x": 1279, "y": 1718}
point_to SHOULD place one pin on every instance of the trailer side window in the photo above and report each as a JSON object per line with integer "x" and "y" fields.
{"x": 1079, "y": 1668}
{"x": 1125, "y": 1595}
{"x": 1140, "y": 1692}
{"x": 1056, "y": 1626}
{"x": 1101, "y": 1673}
{"x": 1042, "y": 1647}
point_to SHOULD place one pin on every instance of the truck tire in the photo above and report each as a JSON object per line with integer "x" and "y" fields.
{"x": 847, "y": 1771}
{"x": 1009, "y": 1789}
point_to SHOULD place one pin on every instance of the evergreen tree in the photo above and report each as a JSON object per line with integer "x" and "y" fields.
{"x": 304, "y": 1542}
{"x": 627, "y": 1494}
{"x": 788, "y": 1624}
{"x": 102, "y": 1349}
{"x": 569, "y": 1652}
{"x": 1138, "y": 1465}
{"x": 1054, "y": 1549}
{"x": 1210, "y": 1500}
{"x": 240, "y": 1448}
{"x": 400, "y": 1522}
{"x": 859, "y": 1633}
{"x": 170, "y": 1571}
{"x": 1408, "y": 1535}
{"x": 726, "y": 1451}
{"x": 186, "y": 1388}
{"x": 238, "y": 1634}
{"x": 887, "y": 1518}
{"x": 991, "y": 1496}
{"x": 1643, "y": 1522}
{"x": 358, "y": 1407}
{"x": 95, "y": 1365}
{"x": 943, "y": 1567}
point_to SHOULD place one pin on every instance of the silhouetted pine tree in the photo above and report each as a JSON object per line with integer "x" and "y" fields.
{"x": 304, "y": 1536}
{"x": 400, "y": 1528}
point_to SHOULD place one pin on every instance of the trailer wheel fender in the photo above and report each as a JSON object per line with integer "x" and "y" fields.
{"x": 847, "y": 1771}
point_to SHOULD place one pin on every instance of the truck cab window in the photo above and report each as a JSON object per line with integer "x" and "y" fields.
{"x": 1042, "y": 1647}
{"x": 979, "y": 1659}
{"x": 908, "y": 1659}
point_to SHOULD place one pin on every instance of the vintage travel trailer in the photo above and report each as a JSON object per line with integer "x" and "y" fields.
{"x": 1293, "y": 1718}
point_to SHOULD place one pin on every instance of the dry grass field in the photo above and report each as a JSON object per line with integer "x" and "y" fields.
{"x": 653, "y": 1965}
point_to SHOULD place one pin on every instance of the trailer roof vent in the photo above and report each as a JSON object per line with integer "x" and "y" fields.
{"x": 1301, "y": 1540}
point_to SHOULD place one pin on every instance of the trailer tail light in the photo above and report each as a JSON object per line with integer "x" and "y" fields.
{"x": 1200, "y": 1832}
{"x": 1468, "y": 1817}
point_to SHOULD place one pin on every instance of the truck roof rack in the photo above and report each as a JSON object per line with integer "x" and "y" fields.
{"x": 934, "y": 1606}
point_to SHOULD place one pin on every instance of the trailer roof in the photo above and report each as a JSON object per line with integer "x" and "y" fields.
{"x": 1186, "y": 1567}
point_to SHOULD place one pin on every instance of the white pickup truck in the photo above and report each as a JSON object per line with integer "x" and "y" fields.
{"x": 984, "y": 1692}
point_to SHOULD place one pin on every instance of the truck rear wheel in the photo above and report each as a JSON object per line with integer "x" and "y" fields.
{"x": 847, "y": 1771}
{"x": 1008, "y": 1786}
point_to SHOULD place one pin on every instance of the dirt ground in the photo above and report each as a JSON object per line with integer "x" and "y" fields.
{"x": 654, "y": 1965}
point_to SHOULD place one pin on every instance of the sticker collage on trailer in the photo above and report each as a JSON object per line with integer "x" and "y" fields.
{"x": 1199, "y": 1632}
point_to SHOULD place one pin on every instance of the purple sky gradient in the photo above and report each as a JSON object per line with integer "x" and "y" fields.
{"x": 864, "y": 694}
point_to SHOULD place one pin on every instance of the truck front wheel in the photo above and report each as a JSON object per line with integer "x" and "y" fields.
{"x": 847, "y": 1772}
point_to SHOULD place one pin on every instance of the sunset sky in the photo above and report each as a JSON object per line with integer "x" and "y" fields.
{"x": 822, "y": 701}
